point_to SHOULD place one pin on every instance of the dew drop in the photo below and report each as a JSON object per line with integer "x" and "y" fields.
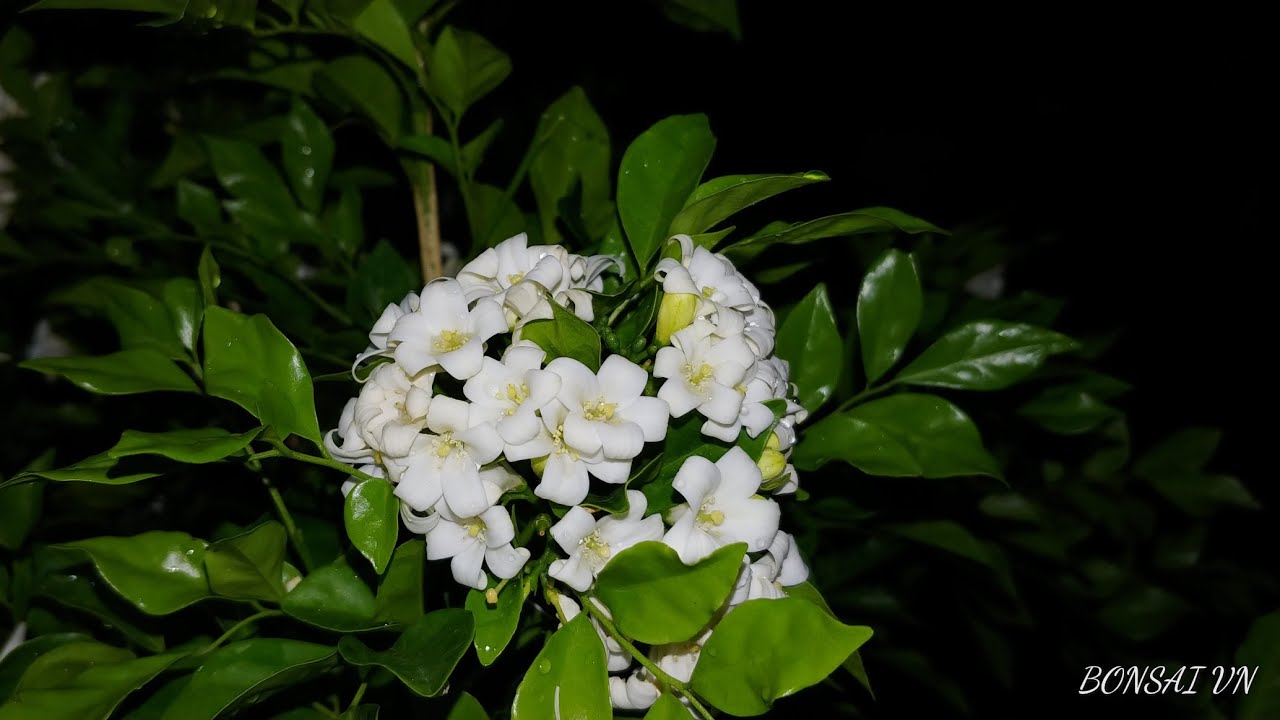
{"x": 544, "y": 666}
{"x": 306, "y": 149}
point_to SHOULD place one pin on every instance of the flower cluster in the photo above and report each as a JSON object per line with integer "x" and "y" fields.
{"x": 473, "y": 422}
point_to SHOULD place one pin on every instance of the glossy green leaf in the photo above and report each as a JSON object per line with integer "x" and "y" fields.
{"x": 659, "y": 171}
{"x": 889, "y": 306}
{"x": 81, "y": 680}
{"x": 984, "y": 355}
{"x": 655, "y": 598}
{"x": 141, "y": 319}
{"x": 99, "y": 468}
{"x": 810, "y": 341}
{"x": 307, "y": 149}
{"x": 566, "y": 335}
{"x": 121, "y": 373}
{"x": 20, "y": 508}
{"x": 186, "y": 309}
{"x": 1260, "y": 651}
{"x": 572, "y": 148}
{"x": 333, "y": 597}
{"x": 159, "y": 572}
{"x": 465, "y": 67}
{"x": 158, "y": 702}
{"x": 467, "y": 708}
{"x": 196, "y": 446}
{"x": 857, "y": 222}
{"x": 382, "y": 277}
{"x": 668, "y": 707}
{"x": 363, "y": 85}
{"x": 372, "y": 519}
{"x": 247, "y": 669}
{"x": 61, "y": 581}
{"x": 251, "y": 363}
{"x": 852, "y": 664}
{"x": 568, "y": 678}
{"x": 425, "y": 655}
{"x": 399, "y": 599}
{"x": 496, "y": 624}
{"x": 15, "y": 664}
{"x": 718, "y": 199}
{"x": 210, "y": 277}
{"x": 383, "y": 25}
{"x": 791, "y": 644}
{"x": 904, "y": 435}
{"x": 249, "y": 566}
{"x": 246, "y": 173}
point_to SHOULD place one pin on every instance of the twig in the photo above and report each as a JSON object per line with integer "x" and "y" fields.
{"x": 426, "y": 208}
{"x": 240, "y": 626}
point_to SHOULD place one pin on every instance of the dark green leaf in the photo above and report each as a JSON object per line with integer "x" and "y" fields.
{"x": 62, "y": 582}
{"x": 655, "y": 598}
{"x": 568, "y": 678}
{"x": 210, "y": 277}
{"x": 493, "y": 215}
{"x": 1187, "y": 451}
{"x": 858, "y": 222}
{"x": 1201, "y": 495}
{"x": 249, "y": 362}
{"x": 565, "y": 335}
{"x": 473, "y": 151}
{"x": 1143, "y": 612}
{"x": 889, "y": 307}
{"x": 810, "y": 341}
{"x": 20, "y": 508}
{"x": 196, "y": 446}
{"x": 705, "y": 15}
{"x": 199, "y": 206}
{"x": 308, "y": 154}
{"x": 249, "y": 566}
{"x": 984, "y": 355}
{"x": 186, "y": 310}
{"x": 572, "y": 147}
{"x": 399, "y": 598}
{"x": 99, "y": 468}
{"x": 496, "y": 624}
{"x": 333, "y": 597}
{"x": 718, "y": 199}
{"x": 465, "y": 67}
{"x": 361, "y": 84}
{"x": 246, "y": 173}
{"x": 433, "y": 147}
{"x": 467, "y": 708}
{"x": 159, "y": 572}
{"x": 119, "y": 373}
{"x": 372, "y": 520}
{"x": 81, "y": 680}
{"x": 247, "y": 669}
{"x": 901, "y": 435}
{"x": 790, "y": 643}
{"x": 382, "y": 24}
{"x": 659, "y": 171}
{"x": 162, "y": 7}
{"x": 1261, "y": 652}
{"x": 381, "y": 278}
{"x": 344, "y": 224}
{"x": 954, "y": 538}
{"x": 140, "y": 318}
{"x": 1067, "y": 410}
{"x": 425, "y": 655}
{"x": 13, "y": 665}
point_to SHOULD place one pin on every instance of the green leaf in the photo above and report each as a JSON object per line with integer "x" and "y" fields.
{"x": 372, "y": 519}
{"x": 159, "y": 701}
{"x": 718, "y": 199}
{"x": 246, "y": 173}
{"x": 159, "y": 572}
{"x": 186, "y": 310}
{"x": 20, "y": 508}
{"x": 249, "y": 566}
{"x": 565, "y": 335}
{"x": 1068, "y": 410}
{"x": 382, "y": 277}
{"x": 199, "y": 206}
{"x": 162, "y": 7}
{"x": 984, "y": 355}
{"x": 655, "y": 598}
{"x": 196, "y": 446}
{"x": 307, "y": 149}
{"x": 904, "y": 435}
{"x": 473, "y": 150}
{"x": 857, "y": 222}
{"x": 210, "y": 277}
{"x": 362, "y": 84}
{"x": 343, "y": 222}
{"x": 668, "y": 707}
{"x": 247, "y": 669}
{"x": 889, "y": 307}
{"x": 572, "y": 148}
{"x": 493, "y": 215}
{"x": 1201, "y": 495}
{"x": 99, "y": 468}
{"x": 659, "y": 171}
{"x": 251, "y": 363}
{"x": 496, "y": 624}
{"x": 467, "y": 708}
{"x": 465, "y": 67}
{"x": 333, "y": 597}
{"x": 425, "y": 655}
{"x": 81, "y": 681}
{"x": 1187, "y": 451}
{"x": 382, "y": 24}
{"x": 568, "y": 678}
{"x": 853, "y": 663}
{"x": 63, "y": 583}
{"x": 140, "y": 318}
{"x": 399, "y": 599}
{"x": 15, "y": 664}
{"x": 1261, "y": 651}
{"x": 768, "y": 649}
{"x": 433, "y": 147}
{"x": 705, "y": 15}
{"x": 810, "y": 341}
{"x": 956, "y": 539}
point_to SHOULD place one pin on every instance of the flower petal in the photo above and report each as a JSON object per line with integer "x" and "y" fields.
{"x": 651, "y": 414}
{"x": 572, "y": 528}
{"x": 621, "y": 380}
{"x": 697, "y": 478}
{"x": 505, "y": 561}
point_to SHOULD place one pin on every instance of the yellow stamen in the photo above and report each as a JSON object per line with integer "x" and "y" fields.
{"x": 450, "y": 340}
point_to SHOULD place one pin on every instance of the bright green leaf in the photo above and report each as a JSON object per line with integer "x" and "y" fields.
{"x": 186, "y": 309}
{"x": 718, "y": 199}
{"x": 251, "y": 668}
{"x": 333, "y": 597}
{"x": 791, "y": 644}
{"x": 99, "y": 469}
{"x": 984, "y": 355}
{"x": 249, "y": 566}
{"x": 425, "y": 655}
{"x": 668, "y": 707}
{"x": 659, "y": 171}
{"x": 496, "y": 624}
{"x": 307, "y": 149}
{"x": 81, "y": 681}
{"x": 655, "y": 598}
{"x": 568, "y": 678}
{"x": 159, "y": 572}
{"x": 196, "y": 446}
{"x": 566, "y": 335}
{"x": 210, "y": 277}
{"x": 810, "y": 341}
{"x": 382, "y": 24}
{"x": 399, "y": 599}
{"x": 467, "y": 708}
{"x": 362, "y": 84}
{"x": 889, "y": 307}
{"x": 249, "y": 362}
{"x": 465, "y": 67}
{"x": 372, "y": 519}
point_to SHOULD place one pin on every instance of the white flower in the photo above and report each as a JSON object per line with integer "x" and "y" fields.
{"x": 591, "y": 543}
{"x": 522, "y": 278}
{"x": 704, "y": 373}
{"x": 722, "y": 507}
{"x": 444, "y": 332}
{"x": 779, "y": 568}
{"x": 754, "y": 416}
{"x": 352, "y": 449}
{"x": 473, "y": 542}
{"x": 708, "y": 275}
{"x": 759, "y": 324}
{"x": 392, "y": 409}
{"x": 564, "y": 469}
{"x": 640, "y": 691}
{"x": 616, "y": 657}
{"x": 447, "y": 464}
{"x": 381, "y": 331}
{"x": 609, "y": 417}
{"x": 510, "y": 393}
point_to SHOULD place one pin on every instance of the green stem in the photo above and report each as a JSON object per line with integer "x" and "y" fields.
{"x": 866, "y": 394}
{"x": 539, "y": 524}
{"x": 355, "y": 701}
{"x": 240, "y": 626}
{"x": 295, "y": 535}
{"x": 680, "y": 688}
{"x": 282, "y": 450}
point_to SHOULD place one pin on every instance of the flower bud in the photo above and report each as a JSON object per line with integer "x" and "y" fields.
{"x": 539, "y": 464}
{"x": 771, "y": 464}
{"x": 674, "y": 314}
